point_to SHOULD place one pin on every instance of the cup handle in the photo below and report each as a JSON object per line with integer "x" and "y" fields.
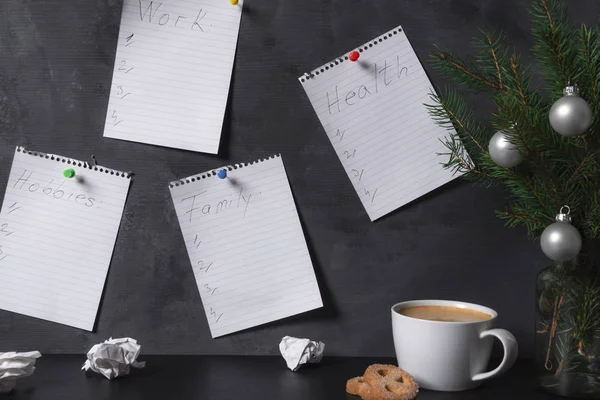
{"x": 511, "y": 350}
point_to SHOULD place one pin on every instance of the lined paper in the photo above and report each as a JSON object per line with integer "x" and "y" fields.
{"x": 373, "y": 113}
{"x": 246, "y": 246}
{"x": 57, "y": 237}
{"x": 172, "y": 72}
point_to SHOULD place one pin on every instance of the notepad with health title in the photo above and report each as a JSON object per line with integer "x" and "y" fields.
{"x": 172, "y": 72}
{"x": 57, "y": 236}
{"x": 374, "y": 115}
{"x": 246, "y": 245}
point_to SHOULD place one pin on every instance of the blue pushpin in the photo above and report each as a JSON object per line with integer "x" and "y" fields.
{"x": 222, "y": 174}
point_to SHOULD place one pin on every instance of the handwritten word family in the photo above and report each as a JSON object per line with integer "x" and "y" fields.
{"x": 150, "y": 9}
{"x": 198, "y": 206}
{"x": 57, "y": 237}
{"x": 382, "y": 76}
{"x": 246, "y": 246}
{"x": 172, "y": 73}
{"x": 372, "y": 111}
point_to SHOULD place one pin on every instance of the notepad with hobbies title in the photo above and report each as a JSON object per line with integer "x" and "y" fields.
{"x": 57, "y": 236}
{"x": 373, "y": 113}
{"x": 172, "y": 72}
{"x": 246, "y": 245}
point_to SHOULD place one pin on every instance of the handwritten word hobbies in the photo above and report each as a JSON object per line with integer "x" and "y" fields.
{"x": 53, "y": 189}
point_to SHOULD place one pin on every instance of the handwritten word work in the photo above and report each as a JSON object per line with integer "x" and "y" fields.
{"x": 57, "y": 237}
{"x": 149, "y": 9}
{"x": 373, "y": 113}
{"x": 172, "y": 73}
{"x": 246, "y": 246}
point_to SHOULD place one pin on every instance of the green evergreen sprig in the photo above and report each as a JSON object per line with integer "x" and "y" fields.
{"x": 556, "y": 170}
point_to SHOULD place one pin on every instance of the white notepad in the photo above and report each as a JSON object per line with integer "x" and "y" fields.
{"x": 57, "y": 237}
{"x": 172, "y": 72}
{"x": 373, "y": 113}
{"x": 246, "y": 246}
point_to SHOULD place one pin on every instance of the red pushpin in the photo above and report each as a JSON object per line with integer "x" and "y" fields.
{"x": 353, "y": 56}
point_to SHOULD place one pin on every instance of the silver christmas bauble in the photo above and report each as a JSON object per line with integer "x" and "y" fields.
{"x": 570, "y": 115}
{"x": 561, "y": 241}
{"x": 503, "y": 152}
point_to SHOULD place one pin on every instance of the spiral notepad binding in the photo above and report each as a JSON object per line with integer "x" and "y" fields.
{"x": 78, "y": 163}
{"x": 341, "y": 59}
{"x": 213, "y": 172}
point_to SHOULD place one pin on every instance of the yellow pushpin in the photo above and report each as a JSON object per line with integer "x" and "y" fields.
{"x": 234, "y": 2}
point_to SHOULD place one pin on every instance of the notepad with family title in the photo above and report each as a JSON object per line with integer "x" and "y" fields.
{"x": 57, "y": 237}
{"x": 246, "y": 245}
{"x": 373, "y": 113}
{"x": 172, "y": 72}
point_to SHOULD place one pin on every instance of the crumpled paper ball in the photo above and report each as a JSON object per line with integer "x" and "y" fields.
{"x": 14, "y": 366}
{"x": 114, "y": 357}
{"x": 297, "y": 352}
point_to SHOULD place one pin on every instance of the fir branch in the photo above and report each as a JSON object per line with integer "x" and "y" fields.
{"x": 535, "y": 193}
{"x": 585, "y": 319}
{"x": 591, "y": 220}
{"x": 591, "y": 55}
{"x": 495, "y": 58}
{"x": 589, "y": 163}
{"x": 589, "y": 81}
{"x": 491, "y": 57}
{"x": 522, "y": 218}
{"x": 513, "y": 219}
{"x": 556, "y": 170}
{"x": 516, "y": 75}
{"x": 466, "y": 155}
{"x": 554, "y": 46}
{"x": 456, "y": 119}
{"x": 464, "y": 167}
{"x": 462, "y": 72}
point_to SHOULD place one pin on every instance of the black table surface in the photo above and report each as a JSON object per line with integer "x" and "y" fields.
{"x": 238, "y": 377}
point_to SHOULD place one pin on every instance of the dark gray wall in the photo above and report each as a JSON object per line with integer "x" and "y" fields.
{"x": 55, "y": 74}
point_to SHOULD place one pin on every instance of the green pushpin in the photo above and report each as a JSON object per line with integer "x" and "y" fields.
{"x": 69, "y": 173}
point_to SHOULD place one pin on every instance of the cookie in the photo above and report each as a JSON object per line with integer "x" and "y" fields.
{"x": 353, "y": 385}
{"x": 389, "y": 382}
{"x": 383, "y": 382}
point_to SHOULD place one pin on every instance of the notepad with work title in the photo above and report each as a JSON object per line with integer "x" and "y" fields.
{"x": 57, "y": 236}
{"x": 172, "y": 72}
{"x": 246, "y": 245}
{"x": 374, "y": 115}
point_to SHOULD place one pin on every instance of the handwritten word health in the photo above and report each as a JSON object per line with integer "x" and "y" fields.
{"x": 383, "y": 75}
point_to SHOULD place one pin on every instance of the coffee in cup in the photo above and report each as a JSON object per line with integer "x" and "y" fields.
{"x": 445, "y": 313}
{"x": 446, "y": 345}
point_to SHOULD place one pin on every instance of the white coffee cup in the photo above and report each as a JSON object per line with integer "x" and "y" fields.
{"x": 449, "y": 356}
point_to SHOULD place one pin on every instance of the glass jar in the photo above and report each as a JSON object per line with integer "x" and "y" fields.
{"x": 567, "y": 345}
